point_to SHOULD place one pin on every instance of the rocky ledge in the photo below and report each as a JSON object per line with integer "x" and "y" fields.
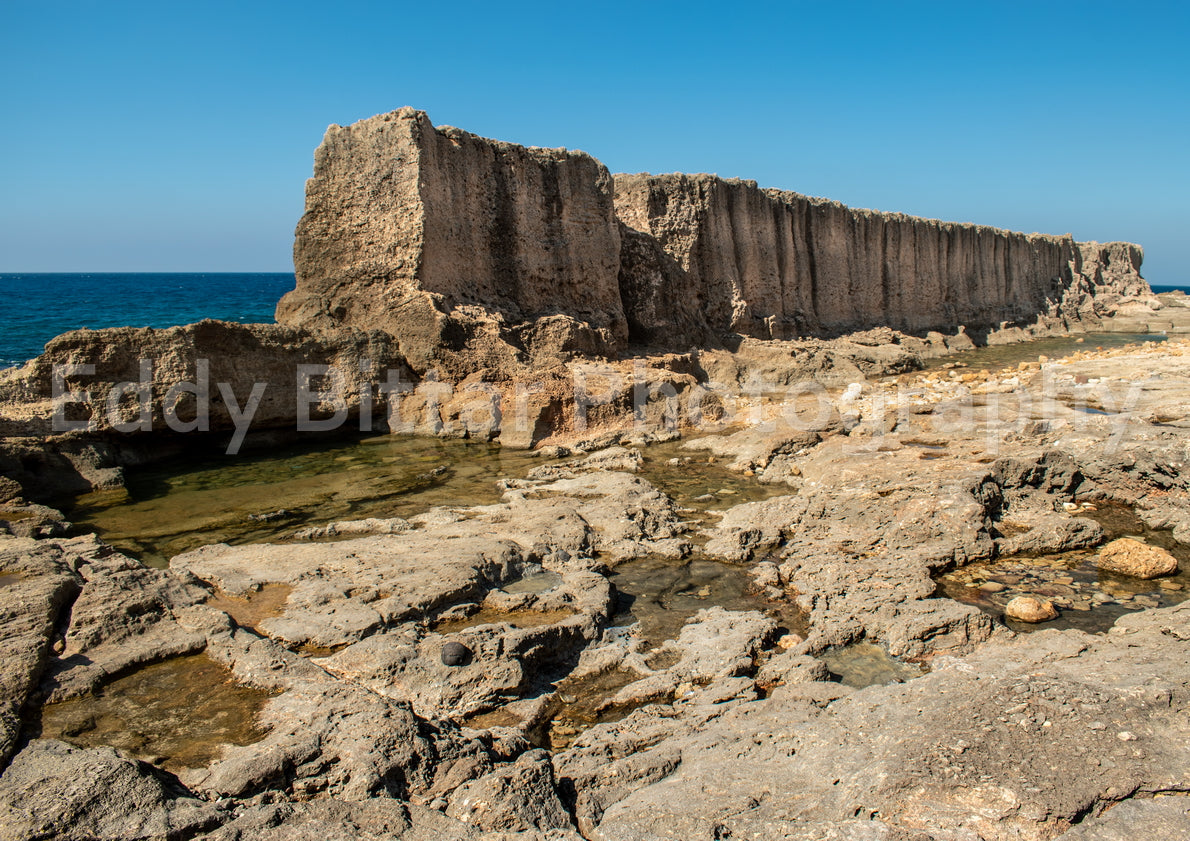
{"x": 468, "y": 673}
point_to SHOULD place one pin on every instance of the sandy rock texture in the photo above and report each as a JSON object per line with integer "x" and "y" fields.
{"x": 1018, "y": 741}
{"x": 1031, "y": 609}
{"x": 1131, "y": 557}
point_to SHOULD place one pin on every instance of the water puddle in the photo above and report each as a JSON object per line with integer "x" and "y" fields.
{"x": 1007, "y": 356}
{"x": 581, "y": 703}
{"x": 515, "y": 618}
{"x": 496, "y": 718}
{"x": 533, "y": 582}
{"x": 251, "y": 609}
{"x": 1087, "y": 598}
{"x": 866, "y": 664}
{"x": 695, "y": 479}
{"x": 245, "y": 499}
{"x": 662, "y": 594}
{"x": 10, "y": 515}
{"x": 176, "y": 714}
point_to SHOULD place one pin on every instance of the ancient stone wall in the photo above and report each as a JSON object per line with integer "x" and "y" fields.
{"x": 778, "y": 265}
{"x": 409, "y": 228}
{"x": 482, "y": 255}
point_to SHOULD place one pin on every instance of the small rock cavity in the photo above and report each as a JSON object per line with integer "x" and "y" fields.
{"x": 176, "y": 714}
{"x": 533, "y": 583}
{"x": 251, "y": 609}
{"x": 1087, "y": 598}
{"x": 866, "y": 664}
{"x": 661, "y": 594}
{"x": 697, "y": 480}
{"x": 583, "y": 702}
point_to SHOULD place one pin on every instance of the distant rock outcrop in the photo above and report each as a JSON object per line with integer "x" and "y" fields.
{"x": 482, "y": 255}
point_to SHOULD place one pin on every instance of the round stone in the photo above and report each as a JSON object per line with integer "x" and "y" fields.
{"x": 455, "y": 654}
{"x": 1030, "y": 609}
{"x": 1126, "y": 556}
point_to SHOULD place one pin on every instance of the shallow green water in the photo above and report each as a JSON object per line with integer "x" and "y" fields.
{"x": 180, "y": 713}
{"x": 662, "y": 594}
{"x": 1004, "y": 356}
{"x": 865, "y": 664}
{"x": 244, "y": 499}
{"x": 696, "y": 479}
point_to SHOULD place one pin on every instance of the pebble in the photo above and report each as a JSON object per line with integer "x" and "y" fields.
{"x": 455, "y": 654}
{"x": 789, "y": 641}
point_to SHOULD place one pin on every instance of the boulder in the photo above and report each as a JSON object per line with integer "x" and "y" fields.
{"x": 518, "y": 797}
{"x": 53, "y": 790}
{"x": 1126, "y": 556}
{"x": 1030, "y": 609}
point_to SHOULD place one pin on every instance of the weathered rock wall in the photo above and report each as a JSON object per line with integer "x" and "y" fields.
{"x": 236, "y": 358}
{"x": 776, "y": 264}
{"x": 482, "y": 255}
{"x": 426, "y": 233}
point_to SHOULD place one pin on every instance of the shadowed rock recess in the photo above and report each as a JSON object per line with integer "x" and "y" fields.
{"x": 774, "y": 629}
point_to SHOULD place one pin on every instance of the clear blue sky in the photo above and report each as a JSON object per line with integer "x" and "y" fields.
{"x": 177, "y": 136}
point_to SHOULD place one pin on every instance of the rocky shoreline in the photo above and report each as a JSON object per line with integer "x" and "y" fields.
{"x": 620, "y": 643}
{"x": 1007, "y": 735}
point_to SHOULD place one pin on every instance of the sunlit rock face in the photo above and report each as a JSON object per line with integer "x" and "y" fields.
{"x": 477, "y": 254}
{"x": 452, "y": 242}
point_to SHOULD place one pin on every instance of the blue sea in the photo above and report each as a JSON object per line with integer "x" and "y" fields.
{"x": 37, "y": 307}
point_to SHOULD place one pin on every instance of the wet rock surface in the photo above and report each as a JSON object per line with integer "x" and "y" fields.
{"x": 639, "y": 664}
